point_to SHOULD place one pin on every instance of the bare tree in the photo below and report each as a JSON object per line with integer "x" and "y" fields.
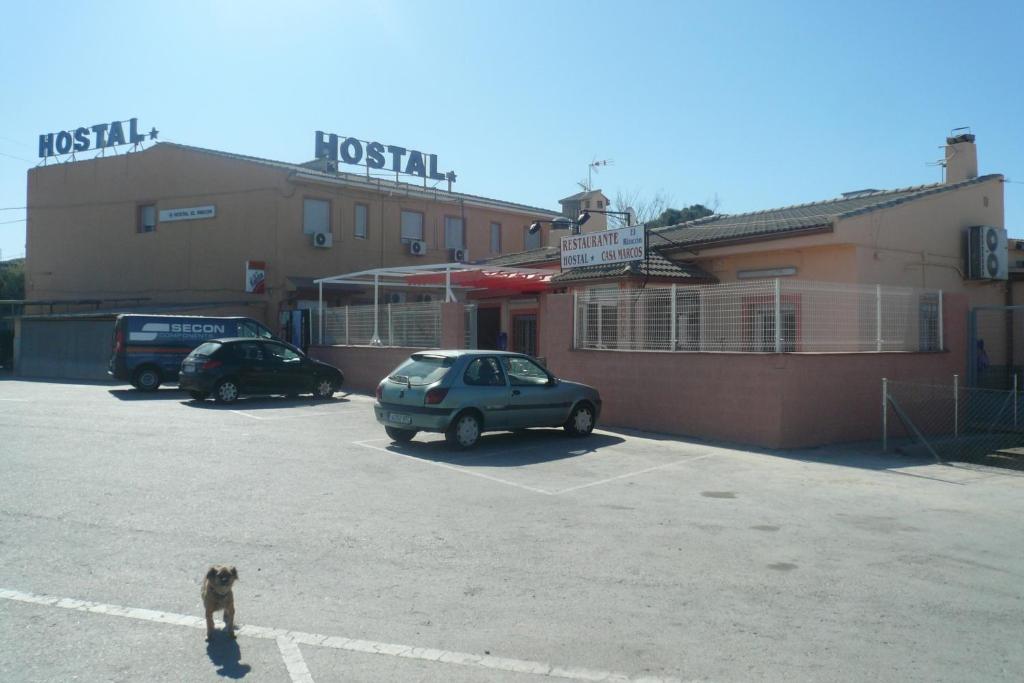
{"x": 645, "y": 208}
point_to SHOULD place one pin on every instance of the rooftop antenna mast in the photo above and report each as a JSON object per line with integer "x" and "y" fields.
{"x": 592, "y": 168}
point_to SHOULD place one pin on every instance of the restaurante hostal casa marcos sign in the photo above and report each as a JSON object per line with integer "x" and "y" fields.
{"x": 604, "y": 247}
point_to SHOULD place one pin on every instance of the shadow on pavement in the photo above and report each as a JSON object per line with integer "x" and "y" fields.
{"x": 226, "y": 656}
{"x": 509, "y": 449}
{"x": 250, "y": 403}
{"x": 158, "y": 395}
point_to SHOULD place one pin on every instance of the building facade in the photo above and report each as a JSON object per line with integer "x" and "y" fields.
{"x": 180, "y": 226}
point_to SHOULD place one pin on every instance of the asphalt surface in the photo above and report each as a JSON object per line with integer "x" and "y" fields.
{"x": 620, "y": 556}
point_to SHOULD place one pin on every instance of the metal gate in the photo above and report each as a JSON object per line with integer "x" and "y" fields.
{"x": 953, "y": 422}
{"x": 995, "y": 349}
{"x": 470, "y": 318}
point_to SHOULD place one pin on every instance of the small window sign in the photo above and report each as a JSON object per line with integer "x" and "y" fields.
{"x": 765, "y": 273}
{"x": 188, "y": 213}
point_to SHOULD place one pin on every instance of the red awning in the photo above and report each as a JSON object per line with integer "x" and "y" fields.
{"x": 525, "y": 283}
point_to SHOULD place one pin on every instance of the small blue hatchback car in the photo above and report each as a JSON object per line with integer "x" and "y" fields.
{"x": 464, "y": 393}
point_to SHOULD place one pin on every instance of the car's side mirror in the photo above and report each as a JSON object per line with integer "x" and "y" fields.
{"x": 552, "y": 380}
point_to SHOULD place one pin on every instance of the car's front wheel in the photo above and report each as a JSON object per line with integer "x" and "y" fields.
{"x": 400, "y": 435}
{"x": 323, "y": 388}
{"x": 464, "y": 431}
{"x": 226, "y": 391}
{"x": 198, "y": 395}
{"x": 581, "y": 420}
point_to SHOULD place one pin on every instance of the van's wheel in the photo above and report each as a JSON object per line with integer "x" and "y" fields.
{"x": 226, "y": 391}
{"x": 464, "y": 431}
{"x": 147, "y": 378}
{"x": 400, "y": 435}
{"x": 581, "y": 420}
{"x": 323, "y": 388}
{"x": 198, "y": 395}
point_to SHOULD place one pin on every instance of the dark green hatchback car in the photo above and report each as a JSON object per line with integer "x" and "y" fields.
{"x": 465, "y": 393}
{"x": 228, "y": 368}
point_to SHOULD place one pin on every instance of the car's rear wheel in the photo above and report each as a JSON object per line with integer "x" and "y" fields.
{"x": 226, "y": 391}
{"x": 198, "y": 395}
{"x": 147, "y": 378}
{"x": 581, "y": 420}
{"x": 323, "y": 388}
{"x": 400, "y": 435}
{"x": 464, "y": 431}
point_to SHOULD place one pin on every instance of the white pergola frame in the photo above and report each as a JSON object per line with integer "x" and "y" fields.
{"x": 397, "y": 276}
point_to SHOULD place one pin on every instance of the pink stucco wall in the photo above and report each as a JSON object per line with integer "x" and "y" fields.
{"x": 771, "y": 400}
{"x": 364, "y": 366}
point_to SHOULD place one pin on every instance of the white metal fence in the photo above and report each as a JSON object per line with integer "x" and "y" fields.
{"x": 416, "y": 325}
{"x": 761, "y": 316}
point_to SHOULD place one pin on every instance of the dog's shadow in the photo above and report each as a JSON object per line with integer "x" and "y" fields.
{"x": 225, "y": 654}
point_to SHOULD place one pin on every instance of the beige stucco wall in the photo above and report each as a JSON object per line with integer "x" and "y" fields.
{"x": 820, "y": 262}
{"x": 920, "y": 243}
{"x": 82, "y": 239}
{"x": 914, "y": 244}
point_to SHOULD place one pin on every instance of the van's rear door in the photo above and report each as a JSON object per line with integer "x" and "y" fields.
{"x": 117, "y": 366}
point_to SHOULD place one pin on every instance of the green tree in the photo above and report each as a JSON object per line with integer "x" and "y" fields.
{"x": 676, "y": 216}
{"x": 12, "y": 279}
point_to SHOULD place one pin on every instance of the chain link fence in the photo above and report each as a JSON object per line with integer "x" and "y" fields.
{"x": 414, "y": 325}
{"x": 953, "y": 422}
{"x": 760, "y": 316}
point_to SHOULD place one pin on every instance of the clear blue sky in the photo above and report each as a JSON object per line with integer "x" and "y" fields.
{"x": 761, "y": 104}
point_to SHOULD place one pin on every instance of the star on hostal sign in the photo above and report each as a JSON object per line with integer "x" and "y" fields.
{"x": 255, "y": 277}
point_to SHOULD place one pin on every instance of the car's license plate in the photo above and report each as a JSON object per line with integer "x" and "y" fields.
{"x": 399, "y": 418}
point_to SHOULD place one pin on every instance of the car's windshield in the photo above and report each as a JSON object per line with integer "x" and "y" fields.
{"x": 422, "y": 369}
{"x": 205, "y": 349}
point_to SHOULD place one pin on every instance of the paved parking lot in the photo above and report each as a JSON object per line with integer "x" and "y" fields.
{"x": 622, "y": 556}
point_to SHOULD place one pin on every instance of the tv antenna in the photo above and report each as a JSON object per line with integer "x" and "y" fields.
{"x": 592, "y": 168}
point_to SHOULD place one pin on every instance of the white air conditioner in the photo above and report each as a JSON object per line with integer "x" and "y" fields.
{"x": 418, "y": 248}
{"x": 986, "y": 253}
{"x": 459, "y": 255}
{"x": 323, "y": 240}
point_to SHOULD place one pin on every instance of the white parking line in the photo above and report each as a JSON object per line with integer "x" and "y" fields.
{"x": 288, "y": 642}
{"x": 279, "y": 417}
{"x": 293, "y": 661}
{"x": 633, "y": 474}
{"x": 461, "y": 470}
{"x": 17, "y": 400}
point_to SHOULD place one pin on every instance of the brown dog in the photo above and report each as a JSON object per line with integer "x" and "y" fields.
{"x": 217, "y": 595}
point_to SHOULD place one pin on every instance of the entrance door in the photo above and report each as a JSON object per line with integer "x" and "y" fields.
{"x": 524, "y": 333}
{"x": 488, "y": 327}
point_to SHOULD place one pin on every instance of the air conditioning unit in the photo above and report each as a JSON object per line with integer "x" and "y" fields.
{"x": 323, "y": 240}
{"x": 459, "y": 255}
{"x": 418, "y": 248}
{"x": 986, "y": 253}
